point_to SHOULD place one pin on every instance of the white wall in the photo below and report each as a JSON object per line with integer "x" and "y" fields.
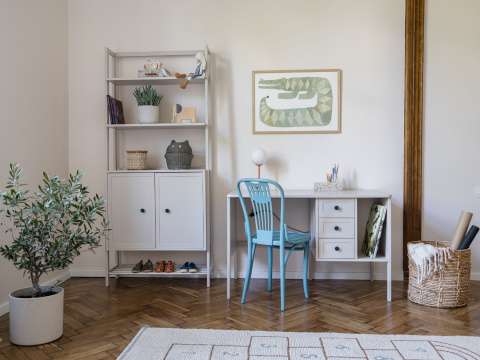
{"x": 452, "y": 119}
{"x": 33, "y": 103}
{"x": 364, "y": 39}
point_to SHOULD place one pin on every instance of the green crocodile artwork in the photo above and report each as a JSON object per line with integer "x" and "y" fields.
{"x": 308, "y": 87}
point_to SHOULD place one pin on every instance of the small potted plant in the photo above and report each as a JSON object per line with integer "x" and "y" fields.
{"x": 147, "y": 101}
{"x": 48, "y": 228}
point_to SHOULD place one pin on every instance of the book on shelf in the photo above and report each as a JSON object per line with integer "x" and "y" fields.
{"x": 115, "y": 110}
{"x": 373, "y": 231}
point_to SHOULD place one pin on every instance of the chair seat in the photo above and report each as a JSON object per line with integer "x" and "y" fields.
{"x": 294, "y": 238}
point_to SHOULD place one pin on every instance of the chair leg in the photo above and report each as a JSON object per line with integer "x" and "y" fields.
{"x": 283, "y": 265}
{"x": 248, "y": 274}
{"x": 270, "y": 252}
{"x": 305, "y": 268}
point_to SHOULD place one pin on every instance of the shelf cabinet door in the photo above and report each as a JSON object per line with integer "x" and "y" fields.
{"x": 180, "y": 211}
{"x": 131, "y": 209}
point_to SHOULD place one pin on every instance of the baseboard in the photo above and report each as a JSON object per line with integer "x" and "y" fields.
{"x": 315, "y": 276}
{"x": 88, "y": 273}
{"x": 55, "y": 281}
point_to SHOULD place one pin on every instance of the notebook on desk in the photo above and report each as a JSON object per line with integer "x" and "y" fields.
{"x": 373, "y": 230}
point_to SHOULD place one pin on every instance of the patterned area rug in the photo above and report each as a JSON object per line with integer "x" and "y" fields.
{"x": 188, "y": 344}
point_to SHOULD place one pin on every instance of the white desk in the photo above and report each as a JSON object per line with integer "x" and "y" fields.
{"x": 352, "y": 208}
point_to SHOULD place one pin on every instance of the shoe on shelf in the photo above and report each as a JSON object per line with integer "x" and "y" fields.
{"x": 138, "y": 267}
{"x": 184, "y": 268}
{"x": 192, "y": 268}
{"x": 160, "y": 266}
{"x": 148, "y": 267}
{"x": 170, "y": 267}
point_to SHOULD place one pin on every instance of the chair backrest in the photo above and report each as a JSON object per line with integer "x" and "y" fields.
{"x": 261, "y": 201}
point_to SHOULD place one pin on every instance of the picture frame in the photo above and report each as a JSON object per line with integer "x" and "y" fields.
{"x": 296, "y": 101}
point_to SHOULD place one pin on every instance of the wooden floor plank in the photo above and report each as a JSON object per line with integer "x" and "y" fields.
{"x": 100, "y": 321}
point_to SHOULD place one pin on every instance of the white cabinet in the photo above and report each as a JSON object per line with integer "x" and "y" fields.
{"x": 180, "y": 211}
{"x": 157, "y": 210}
{"x": 131, "y": 211}
{"x": 336, "y": 229}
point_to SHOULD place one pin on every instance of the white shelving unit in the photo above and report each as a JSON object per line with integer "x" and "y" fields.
{"x": 148, "y": 209}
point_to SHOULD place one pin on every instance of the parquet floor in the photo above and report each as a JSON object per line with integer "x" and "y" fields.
{"x": 100, "y": 321}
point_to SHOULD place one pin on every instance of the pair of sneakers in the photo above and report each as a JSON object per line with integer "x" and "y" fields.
{"x": 189, "y": 267}
{"x": 141, "y": 267}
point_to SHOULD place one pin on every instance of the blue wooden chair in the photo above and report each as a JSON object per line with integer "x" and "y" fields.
{"x": 261, "y": 201}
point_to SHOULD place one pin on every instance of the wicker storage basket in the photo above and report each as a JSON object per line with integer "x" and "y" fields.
{"x": 176, "y": 161}
{"x": 449, "y": 287}
{"x": 136, "y": 160}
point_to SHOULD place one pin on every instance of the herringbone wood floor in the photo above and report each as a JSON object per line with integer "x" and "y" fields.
{"x": 100, "y": 321}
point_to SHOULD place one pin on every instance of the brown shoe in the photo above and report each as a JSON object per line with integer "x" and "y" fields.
{"x": 160, "y": 266}
{"x": 170, "y": 267}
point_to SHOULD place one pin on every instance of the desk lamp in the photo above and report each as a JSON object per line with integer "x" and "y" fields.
{"x": 259, "y": 157}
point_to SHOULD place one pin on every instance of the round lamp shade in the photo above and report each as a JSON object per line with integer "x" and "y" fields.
{"x": 259, "y": 156}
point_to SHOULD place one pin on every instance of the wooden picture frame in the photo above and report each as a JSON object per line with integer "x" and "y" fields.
{"x": 296, "y": 102}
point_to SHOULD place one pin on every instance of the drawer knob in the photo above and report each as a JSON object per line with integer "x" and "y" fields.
{"x": 142, "y": 210}
{"x": 337, "y": 228}
{"x": 337, "y": 248}
{"x": 336, "y": 207}
{"x": 167, "y": 211}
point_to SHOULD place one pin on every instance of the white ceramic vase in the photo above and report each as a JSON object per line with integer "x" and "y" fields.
{"x": 35, "y": 321}
{"x": 148, "y": 114}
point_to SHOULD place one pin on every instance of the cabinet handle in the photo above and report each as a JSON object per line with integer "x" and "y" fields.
{"x": 167, "y": 211}
{"x": 336, "y": 207}
{"x": 142, "y": 210}
{"x": 337, "y": 248}
{"x": 337, "y": 228}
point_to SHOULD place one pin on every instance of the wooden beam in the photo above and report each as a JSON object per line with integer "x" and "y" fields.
{"x": 413, "y": 122}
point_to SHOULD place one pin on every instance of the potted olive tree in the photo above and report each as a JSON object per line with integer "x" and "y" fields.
{"x": 48, "y": 228}
{"x": 147, "y": 101}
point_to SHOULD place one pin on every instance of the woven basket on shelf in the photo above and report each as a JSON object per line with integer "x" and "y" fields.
{"x": 136, "y": 160}
{"x": 449, "y": 287}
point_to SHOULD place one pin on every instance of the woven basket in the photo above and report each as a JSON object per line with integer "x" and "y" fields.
{"x": 176, "y": 161}
{"x": 136, "y": 160}
{"x": 449, "y": 287}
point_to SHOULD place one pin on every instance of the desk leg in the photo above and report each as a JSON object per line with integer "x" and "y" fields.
{"x": 229, "y": 245}
{"x": 389, "y": 280}
{"x": 231, "y": 241}
{"x": 389, "y": 249}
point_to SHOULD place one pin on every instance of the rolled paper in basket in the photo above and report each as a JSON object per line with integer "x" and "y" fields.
{"x": 467, "y": 240}
{"x": 461, "y": 229}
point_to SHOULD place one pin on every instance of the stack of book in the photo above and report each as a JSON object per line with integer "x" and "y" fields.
{"x": 115, "y": 109}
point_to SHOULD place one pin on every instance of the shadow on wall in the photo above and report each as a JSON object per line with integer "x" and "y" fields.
{"x": 277, "y": 166}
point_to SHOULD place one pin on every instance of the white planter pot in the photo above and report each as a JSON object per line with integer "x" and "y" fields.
{"x": 35, "y": 321}
{"x": 148, "y": 114}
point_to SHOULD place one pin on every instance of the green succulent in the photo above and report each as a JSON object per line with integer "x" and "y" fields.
{"x": 147, "y": 95}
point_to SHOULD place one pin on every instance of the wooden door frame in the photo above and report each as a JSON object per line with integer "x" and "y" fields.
{"x": 413, "y": 124}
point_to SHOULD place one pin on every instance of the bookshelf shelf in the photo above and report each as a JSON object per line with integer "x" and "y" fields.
{"x": 154, "y": 81}
{"x": 157, "y": 126}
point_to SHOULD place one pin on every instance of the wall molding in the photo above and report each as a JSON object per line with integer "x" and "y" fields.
{"x": 413, "y": 125}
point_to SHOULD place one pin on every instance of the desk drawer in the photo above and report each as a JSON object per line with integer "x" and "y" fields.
{"x": 337, "y": 228}
{"x": 336, "y": 208}
{"x": 336, "y": 249}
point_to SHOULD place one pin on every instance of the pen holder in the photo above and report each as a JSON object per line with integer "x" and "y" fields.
{"x": 326, "y": 186}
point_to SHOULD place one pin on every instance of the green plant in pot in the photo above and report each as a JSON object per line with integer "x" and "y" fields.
{"x": 147, "y": 101}
{"x": 48, "y": 228}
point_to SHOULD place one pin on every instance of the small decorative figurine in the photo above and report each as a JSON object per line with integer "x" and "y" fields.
{"x": 179, "y": 155}
{"x": 199, "y": 70}
{"x": 181, "y": 114}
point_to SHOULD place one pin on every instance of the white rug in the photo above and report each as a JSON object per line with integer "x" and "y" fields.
{"x": 188, "y": 344}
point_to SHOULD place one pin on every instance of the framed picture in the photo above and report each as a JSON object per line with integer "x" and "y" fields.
{"x": 296, "y": 101}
